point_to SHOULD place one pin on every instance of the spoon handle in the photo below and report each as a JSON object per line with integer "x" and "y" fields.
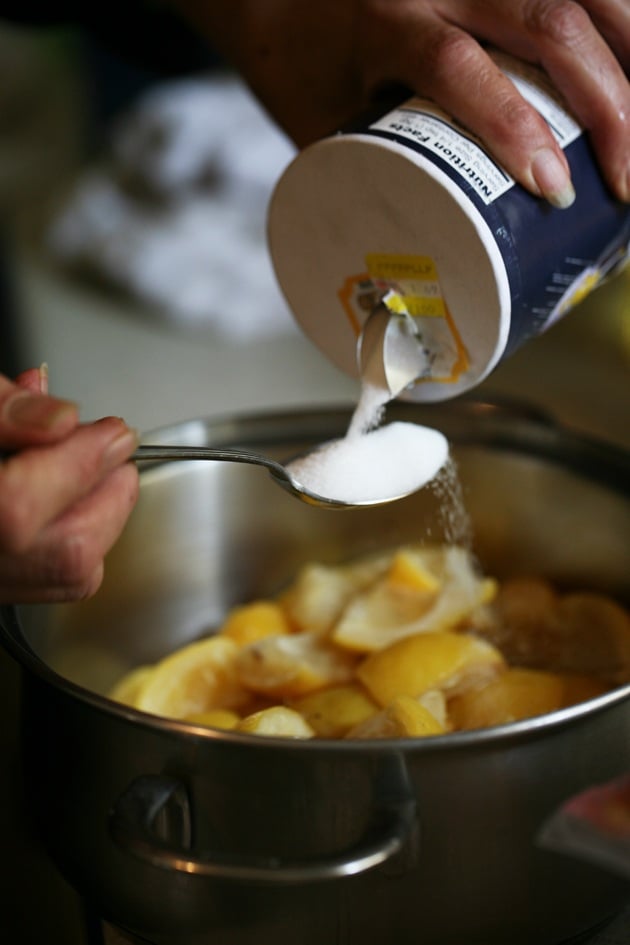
{"x": 149, "y": 452}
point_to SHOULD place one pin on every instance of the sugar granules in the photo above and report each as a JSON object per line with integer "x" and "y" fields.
{"x": 373, "y": 463}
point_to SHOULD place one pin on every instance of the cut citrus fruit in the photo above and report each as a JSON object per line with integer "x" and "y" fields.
{"x": 520, "y": 694}
{"x": 291, "y": 665}
{"x": 126, "y": 689}
{"x": 254, "y": 621}
{"x": 389, "y": 610}
{"x": 320, "y": 592}
{"x": 404, "y": 717}
{"x": 332, "y": 712}
{"x": 215, "y": 718}
{"x": 198, "y": 677}
{"x": 277, "y": 720}
{"x": 409, "y": 569}
{"x": 448, "y": 661}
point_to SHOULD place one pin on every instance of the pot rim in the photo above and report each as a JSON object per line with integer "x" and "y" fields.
{"x": 502, "y": 424}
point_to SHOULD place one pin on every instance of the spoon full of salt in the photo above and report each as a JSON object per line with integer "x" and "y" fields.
{"x": 374, "y": 464}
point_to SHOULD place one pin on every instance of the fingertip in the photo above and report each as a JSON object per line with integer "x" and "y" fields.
{"x": 552, "y": 178}
{"x": 28, "y": 413}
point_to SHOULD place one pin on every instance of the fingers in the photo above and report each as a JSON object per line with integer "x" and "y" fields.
{"x": 66, "y": 491}
{"x": 583, "y": 67}
{"x": 34, "y": 379}
{"x": 29, "y": 417}
{"x": 65, "y": 562}
{"x": 612, "y": 19}
{"x": 465, "y": 81}
{"x": 38, "y": 484}
{"x": 436, "y": 48}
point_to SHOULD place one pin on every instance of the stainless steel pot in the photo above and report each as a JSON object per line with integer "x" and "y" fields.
{"x": 187, "y": 836}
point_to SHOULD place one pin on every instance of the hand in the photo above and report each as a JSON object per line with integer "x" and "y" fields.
{"x": 314, "y": 65}
{"x": 66, "y": 492}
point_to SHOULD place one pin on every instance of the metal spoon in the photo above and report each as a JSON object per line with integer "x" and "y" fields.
{"x": 278, "y": 472}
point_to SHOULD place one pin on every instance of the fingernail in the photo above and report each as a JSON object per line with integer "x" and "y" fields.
{"x": 553, "y": 179}
{"x": 43, "y": 377}
{"x": 121, "y": 447}
{"x": 37, "y": 412}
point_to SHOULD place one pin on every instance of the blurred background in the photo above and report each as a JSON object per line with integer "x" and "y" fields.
{"x": 133, "y": 261}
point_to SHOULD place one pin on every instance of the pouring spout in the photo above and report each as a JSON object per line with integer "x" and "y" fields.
{"x": 390, "y": 351}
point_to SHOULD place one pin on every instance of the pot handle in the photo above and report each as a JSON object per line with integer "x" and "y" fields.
{"x": 135, "y": 819}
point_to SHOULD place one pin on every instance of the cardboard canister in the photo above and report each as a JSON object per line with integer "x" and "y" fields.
{"x": 406, "y": 204}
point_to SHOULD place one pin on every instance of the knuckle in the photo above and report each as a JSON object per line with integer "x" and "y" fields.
{"x": 450, "y": 49}
{"x": 519, "y": 118}
{"x": 564, "y": 22}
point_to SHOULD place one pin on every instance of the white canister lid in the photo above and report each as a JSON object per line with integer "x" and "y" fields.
{"x": 356, "y": 216}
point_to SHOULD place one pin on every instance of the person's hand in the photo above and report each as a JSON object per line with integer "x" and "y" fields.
{"x": 314, "y": 65}
{"x": 66, "y": 492}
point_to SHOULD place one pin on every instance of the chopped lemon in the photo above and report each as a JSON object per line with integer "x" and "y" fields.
{"x": 435, "y": 701}
{"x": 519, "y": 694}
{"x": 403, "y": 717}
{"x": 126, "y": 690}
{"x": 198, "y": 677}
{"x": 291, "y": 665}
{"x": 408, "y": 569}
{"x": 334, "y": 711}
{"x": 215, "y": 718}
{"x": 388, "y": 611}
{"x": 448, "y": 661}
{"x": 320, "y": 592}
{"x": 255, "y": 621}
{"x": 276, "y": 720}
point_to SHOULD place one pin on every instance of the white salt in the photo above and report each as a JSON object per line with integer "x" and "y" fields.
{"x": 373, "y": 463}
{"x": 383, "y": 464}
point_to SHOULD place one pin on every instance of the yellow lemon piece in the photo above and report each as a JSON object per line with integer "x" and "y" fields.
{"x": 334, "y": 711}
{"x": 388, "y": 610}
{"x": 435, "y": 701}
{"x": 126, "y": 690}
{"x": 289, "y": 666}
{"x": 195, "y": 678}
{"x": 448, "y": 661}
{"x": 320, "y": 592}
{"x": 277, "y": 720}
{"x": 404, "y": 717}
{"x": 408, "y": 569}
{"x": 519, "y": 694}
{"x": 254, "y": 621}
{"x": 215, "y": 718}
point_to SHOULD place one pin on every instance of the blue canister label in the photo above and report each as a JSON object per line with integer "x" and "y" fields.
{"x": 553, "y": 258}
{"x": 409, "y": 208}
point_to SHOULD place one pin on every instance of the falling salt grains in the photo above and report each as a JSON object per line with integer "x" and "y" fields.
{"x": 453, "y": 514}
{"x": 373, "y": 464}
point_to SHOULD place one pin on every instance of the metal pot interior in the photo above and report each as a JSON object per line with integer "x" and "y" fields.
{"x": 206, "y": 536}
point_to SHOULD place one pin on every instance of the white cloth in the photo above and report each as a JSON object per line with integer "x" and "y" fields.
{"x": 187, "y": 236}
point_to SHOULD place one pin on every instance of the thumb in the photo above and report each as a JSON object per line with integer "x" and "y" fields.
{"x": 28, "y": 418}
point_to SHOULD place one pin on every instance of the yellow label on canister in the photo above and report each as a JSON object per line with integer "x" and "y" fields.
{"x": 412, "y": 287}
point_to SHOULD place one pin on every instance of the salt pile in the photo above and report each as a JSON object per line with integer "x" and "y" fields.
{"x": 380, "y": 465}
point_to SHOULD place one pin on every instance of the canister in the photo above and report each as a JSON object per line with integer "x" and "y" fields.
{"x": 406, "y": 205}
